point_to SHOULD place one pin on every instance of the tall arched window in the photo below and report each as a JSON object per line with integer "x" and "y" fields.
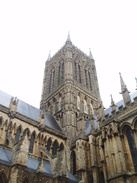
{"x": 54, "y": 148}
{"x": 59, "y": 75}
{"x": 76, "y": 119}
{"x": 32, "y": 143}
{"x": 48, "y": 144}
{"x": 90, "y": 81}
{"x": 73, "y": 162}
{"x": 63, "y": 71}
{"x": 79, "y": 73}
{"x": 101, "y": 178}
{"x": 17, "y": 135}
{"x": 75, "y": 71}
{"x": 26, "y": 181}
{"x": 61, "y": 146}
{"x": 50, "y": 81}
{"x": 86, "y": 77}
{"x": 3, "y": 177}
{"x": 53, "y": 79}
{"x": 132, "y": 147}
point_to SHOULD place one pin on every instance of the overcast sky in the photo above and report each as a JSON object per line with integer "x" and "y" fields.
{"x": 29, "y": 29}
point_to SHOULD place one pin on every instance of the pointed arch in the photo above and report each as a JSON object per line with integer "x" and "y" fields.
{"x": 32, "y": 140}
{"x": 59, "y": 74}
{"x": 134, "y": 123}
{"x": 54, "y": 147}
{"x": 62, "y": 71}
{"x": 101, "y": 177}
{"x": 1, "y": 121}
{"x": 3, "y": 177}
{"x": 26, "y": 132}
{"x": 61, "y": 147}
{"x": 127, "y": 131}
{"x": 86, "y": 79}
{"x": 90, "y": 80}
{"x": 73, "y": 162}
{"x": 75, "y": 70}
{"x": 79, "y": 69}
{"x": 76, "y": 118}
{"x": 18, "y": 134}
{"x": 49, "y": 142}
{"x": 26, "y": 179}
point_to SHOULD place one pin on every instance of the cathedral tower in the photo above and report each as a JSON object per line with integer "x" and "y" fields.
{"x": 70, "y": 88}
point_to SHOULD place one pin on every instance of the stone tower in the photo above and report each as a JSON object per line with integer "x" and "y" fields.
{"x": 70, "y": 89}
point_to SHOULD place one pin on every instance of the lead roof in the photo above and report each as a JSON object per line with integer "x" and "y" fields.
{"x": 28, "y": 111}
{"x": 32, "y": 164}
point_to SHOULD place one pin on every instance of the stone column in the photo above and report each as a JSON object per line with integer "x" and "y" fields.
{"x": 120, "y": 153}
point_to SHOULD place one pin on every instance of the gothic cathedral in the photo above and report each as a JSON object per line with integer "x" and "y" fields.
{"x": 71, "y": 138}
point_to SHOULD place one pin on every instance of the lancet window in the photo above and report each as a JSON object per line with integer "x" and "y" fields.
{"x": 132, "y": 147}
{"x": 54, "y": 148}
{"x": 73, "y": 162}
{"x": 32, "y": 143}
{"x": 17, "y": 135}
{"x": 61, "y": 147}
{"x": 50, "y": 82}
{"x": 76, "y": 119}
{"x": 59, "y": 75}
{"x": 79, "y": 73}
{"x": 26, "y": 181}
{"x": 75, "y": 71}
{"x": 86, "y": 77}
{"x": 63, "y": 71}
{"x": 48, "y": 144}
{"x": 90, "y": 81}
{"x": 53, "y": 79}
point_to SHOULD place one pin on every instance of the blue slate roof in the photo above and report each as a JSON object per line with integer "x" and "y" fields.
{"x": 33, "y": 165}
{"x": 72, "y": 177}
{"x": 5, "y": 99}
{"x": 29, "y": 111}
{"x": 120, "y": 104}
{"x": 5, "y": 156}
{"x": 88, "y": 125}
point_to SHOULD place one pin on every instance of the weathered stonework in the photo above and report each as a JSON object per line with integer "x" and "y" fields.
{"x": 86, "y": 141}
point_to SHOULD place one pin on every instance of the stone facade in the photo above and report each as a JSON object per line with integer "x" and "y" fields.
{"x": 82, "y": 143}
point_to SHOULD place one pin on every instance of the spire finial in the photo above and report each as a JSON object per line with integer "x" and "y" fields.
{"x": 49, "y": 57}
{"x": 113, "y": 106}
{"x": 124, "y": 91}
{"x": 112, "y": 101}
{"x": 90, "y": 54}
{"x": 68, "y": 38}
{"x": 123, "y": 86}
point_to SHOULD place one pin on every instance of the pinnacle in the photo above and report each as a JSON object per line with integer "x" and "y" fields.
{"x": 68, "y": 38}
{"x": 90, "y": 54}
{"x": 123, "y": 86}
{"x": 49, "y": 57}
{"x": 112, "y": 101}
